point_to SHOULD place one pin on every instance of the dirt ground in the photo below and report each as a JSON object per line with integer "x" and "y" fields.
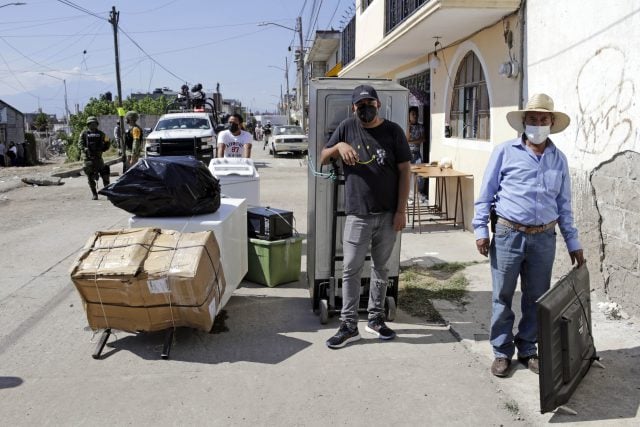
{"x": 47, "y": 167}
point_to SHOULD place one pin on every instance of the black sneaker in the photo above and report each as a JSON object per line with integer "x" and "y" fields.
{"x": 378, "y": 327}
{"x": 344, "y": 336}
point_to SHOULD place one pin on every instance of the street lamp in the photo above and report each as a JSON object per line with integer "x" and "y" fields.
{"x": 15, "y": 3}
{"x": 66, "y": 105}
{"x": 301, "y": 67}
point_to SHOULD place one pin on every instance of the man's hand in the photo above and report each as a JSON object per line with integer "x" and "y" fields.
{"x": 399, "y": 221}
{"x": 577, "y": 256}
{"x": 347, "y": 153}
{"x": 483, "y": 246}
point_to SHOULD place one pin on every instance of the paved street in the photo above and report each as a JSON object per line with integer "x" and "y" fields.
{"x": 271, "y": 366}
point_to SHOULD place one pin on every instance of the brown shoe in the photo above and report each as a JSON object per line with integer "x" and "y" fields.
{"x": 500, "y": 367}
{"x": 531, "y": 362}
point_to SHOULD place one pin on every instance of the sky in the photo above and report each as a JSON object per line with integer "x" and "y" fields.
{"x": 47, "y": 43}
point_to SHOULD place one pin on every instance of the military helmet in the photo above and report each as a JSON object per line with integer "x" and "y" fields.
{"x": 131, "y": 115}
{"x": 92, "y": 119}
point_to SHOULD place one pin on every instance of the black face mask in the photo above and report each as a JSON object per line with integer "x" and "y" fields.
{"x": 233, "y": 127}
{"x": 366, "y": 113}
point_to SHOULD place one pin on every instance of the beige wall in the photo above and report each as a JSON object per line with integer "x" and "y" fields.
{"x": 469, "y": 155}
{"x": 504, "y": 93}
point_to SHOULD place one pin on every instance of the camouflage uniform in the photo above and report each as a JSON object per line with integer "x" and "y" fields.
{"x": 93, "y": 142}
{"x": 133, "y": 137}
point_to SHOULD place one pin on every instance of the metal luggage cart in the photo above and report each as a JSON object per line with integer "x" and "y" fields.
{"x": 104, "y": 337}
{"x": 327, "y": 295}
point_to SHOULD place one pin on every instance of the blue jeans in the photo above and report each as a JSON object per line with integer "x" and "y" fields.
{"x": 359, "y": 230}
{"x": 530, "y": 256}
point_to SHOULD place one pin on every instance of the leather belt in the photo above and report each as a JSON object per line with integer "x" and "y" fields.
{"x": 526, "y": 228}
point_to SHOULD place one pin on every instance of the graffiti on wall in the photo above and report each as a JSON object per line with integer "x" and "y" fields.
{"x": 605, "y": 97}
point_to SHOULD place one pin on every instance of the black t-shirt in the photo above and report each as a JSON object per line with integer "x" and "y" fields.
{"x": 372, "y": 183}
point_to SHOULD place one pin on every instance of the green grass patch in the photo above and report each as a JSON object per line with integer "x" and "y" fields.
{"x": 419, "y": 286}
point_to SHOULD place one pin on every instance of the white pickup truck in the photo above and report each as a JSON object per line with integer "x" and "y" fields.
{"x": 183, "y": 134}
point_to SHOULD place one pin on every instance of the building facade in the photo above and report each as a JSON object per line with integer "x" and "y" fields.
{"x": 468, "y": 62}
{"x": 448, "y": 54}
{"x": 11, "y": 124}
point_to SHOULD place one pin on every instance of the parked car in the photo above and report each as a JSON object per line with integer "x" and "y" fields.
{"x": 183, "y": 134}
{"x": 288, "y": 138}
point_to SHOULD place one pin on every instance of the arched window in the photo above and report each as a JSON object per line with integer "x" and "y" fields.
{"x": 470, "y": 111}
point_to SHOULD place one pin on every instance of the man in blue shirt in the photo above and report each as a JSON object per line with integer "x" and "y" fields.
{"x": 527, "y": 183}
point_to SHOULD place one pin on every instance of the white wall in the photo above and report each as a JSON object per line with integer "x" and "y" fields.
{"x": 584, "y": 53}
{"x": 591, "y": 69}
{"x": 369, "y": 27}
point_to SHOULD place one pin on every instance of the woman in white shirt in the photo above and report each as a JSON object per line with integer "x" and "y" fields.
{"x": 235, "y": 142}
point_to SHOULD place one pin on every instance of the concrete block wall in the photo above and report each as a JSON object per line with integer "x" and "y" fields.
{"x": 617, "y": 194}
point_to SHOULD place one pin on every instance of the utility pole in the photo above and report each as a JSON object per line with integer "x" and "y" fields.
{"x": 66, "y": 104}
{"x": 286, "y": 76}
{"x": 114, "y": 17}
{"x": 302, "y": 71}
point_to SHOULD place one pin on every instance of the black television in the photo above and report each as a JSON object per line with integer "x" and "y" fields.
{"x": 565, "y": 342}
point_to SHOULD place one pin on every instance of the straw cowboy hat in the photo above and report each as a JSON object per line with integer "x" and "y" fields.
{"x": 543, "y": 103}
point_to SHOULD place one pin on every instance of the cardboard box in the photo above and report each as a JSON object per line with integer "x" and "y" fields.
{"x": 148, "y": 267}
{"x": 148, "y": 279}
{"x": 133, "y": 319}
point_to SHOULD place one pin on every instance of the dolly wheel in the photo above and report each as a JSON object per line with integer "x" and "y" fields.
{"x": 390, "y": 308}
{"x": 324, "y": 311}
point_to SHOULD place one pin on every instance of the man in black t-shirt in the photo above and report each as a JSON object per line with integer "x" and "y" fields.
{"x": 375, "y": 157}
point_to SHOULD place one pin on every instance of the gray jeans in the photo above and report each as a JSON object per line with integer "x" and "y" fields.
{"x": 359, "y": 230}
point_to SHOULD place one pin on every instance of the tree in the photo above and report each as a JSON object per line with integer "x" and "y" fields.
{"x": 41, "y": 122}
{"x": 103, "y": 107}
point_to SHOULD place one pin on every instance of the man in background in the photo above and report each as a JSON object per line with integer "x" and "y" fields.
{"x": 93, "y": 142}
{"x": 133, "y": 137}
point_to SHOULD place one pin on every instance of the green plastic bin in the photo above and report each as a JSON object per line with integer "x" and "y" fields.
{"x": 272, "y": 263}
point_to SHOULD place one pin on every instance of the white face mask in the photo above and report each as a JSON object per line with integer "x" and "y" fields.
{"x": 537, "y": 134}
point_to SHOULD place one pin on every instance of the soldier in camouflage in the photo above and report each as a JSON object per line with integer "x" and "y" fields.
{"x": 133, "y": 137}
{"x": 93, "y": 142}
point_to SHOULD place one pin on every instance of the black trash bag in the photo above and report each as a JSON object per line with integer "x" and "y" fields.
{"x": 166, "y": 186}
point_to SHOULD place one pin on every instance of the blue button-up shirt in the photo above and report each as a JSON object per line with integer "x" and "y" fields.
{"x": 527, "y": 189}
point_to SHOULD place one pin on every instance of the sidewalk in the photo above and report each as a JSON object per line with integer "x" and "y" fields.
{"x": 609, "y": 395}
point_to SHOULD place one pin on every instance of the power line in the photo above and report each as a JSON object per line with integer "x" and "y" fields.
{"x": 40, "y": 22}
{"x": 23, "y": 55}
{"x": 313, "y": 9}
{"x": 315, "y": 23}
{"x": 76, "y": 40}
{"x": 302, "y": 9}
{"x": 333, "y": 14}
{"x": 154, "y": 9}
{"x": 81, "y": 9}
{"x": 149, "y": 56}
{"x": 16, "y": 77}
{"x": 165, "y": 30}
